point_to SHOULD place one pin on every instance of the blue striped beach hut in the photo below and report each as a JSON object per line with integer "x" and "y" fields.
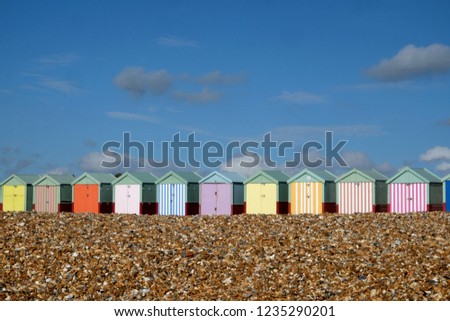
{"x": 178, "y": 193}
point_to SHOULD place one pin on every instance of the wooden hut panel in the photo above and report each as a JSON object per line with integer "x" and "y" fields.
{"x": 127, "y": 199}
{"x": 261, "y": 198}
{"x": 355, "y": 197}
{"x": 86, "y": 198}
{"x": 447, "y": 196}
{"x": 46, "y": 199}
{"x": 407, "y": 198}
{"x": 172, "y": 199}
{"x": 216, "y": 198}
{"x": 14, "y": 198}
{"x": 306, "y": 198}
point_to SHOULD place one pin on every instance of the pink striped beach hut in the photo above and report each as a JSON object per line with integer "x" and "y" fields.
{"x": 361, "y": 191}
{"x": 414, "y": 190}
{"x": 53, "y": 193}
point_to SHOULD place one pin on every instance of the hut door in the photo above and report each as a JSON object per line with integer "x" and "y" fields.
{"x": 409, "y": 198}
{"x": 41, "y": 199}
{"x": 121, "y": 199}
{"x": 355, "y": 197}
{"x": 415, "y": 197}
{"x": 308, "y": 198}
{"x": 86, "y": 198}
{"x": 223, "y": 199}
{"x": 52, "y": 199}
{"x": 13, "y": 198}
{"x": 447, "y": 195}
{"x": 133, "y": 199}
{"x": 268, "y": 198}
{"x": 171, "y": 199}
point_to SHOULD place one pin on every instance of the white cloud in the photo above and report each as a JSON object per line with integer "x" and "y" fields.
{"x": 219, "y": 78}
{"x": 302, "y": 132}
{"x": 92, "y": 162}
{"x": 59, "y": 171}
{"x": 45, "y": 83}
{"x": 412, "y": 61}
{"x": 299, "y": 97}
{"x": 5, "y": 91}
{"x": 357, "y": 159}
{"x": 137, "y": 81}
{"x": 436, "y": 153}
{"x": 57, "y": 60}
{"x": 60, "y": 85}
{"x": 443, "y": 166}
{"x": 132, "y": 116}
{"x": 172, "y": 41}
{"x": 203, "y": 97}
{"x": 361, "y": 160}
{"x": 235, "y": 165}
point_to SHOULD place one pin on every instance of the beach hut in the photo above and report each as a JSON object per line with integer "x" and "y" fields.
{"x": 446, "y": 193}
{"x": 178, "y": 193}
{"x": 222, "y": 193}
{"x": 414, "y": 190}
{"x": 18, "y": 192}
{"x": 92, "y": 193}
{"x": 312, "y": 191}
{"x": 135, "y": 193}
{"x": 266, "y": 192}
{"x": 1, "y": 199}
{"x": 361, "y": 191}
{"x": 53, "y": 193}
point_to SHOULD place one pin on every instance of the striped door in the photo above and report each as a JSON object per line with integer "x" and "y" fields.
{"x": 46, "y": 199}
{"x": 127, "y": 199}
{"x": 409, "y": 197}
{"x": 172, "y": 199}
{"x": 13, "y": 198}
{"x": 355, "y": 197}
{"x": 306, "y": 198}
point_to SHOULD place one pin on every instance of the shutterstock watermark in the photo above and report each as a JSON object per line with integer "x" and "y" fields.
{"x": 213, "y": 154}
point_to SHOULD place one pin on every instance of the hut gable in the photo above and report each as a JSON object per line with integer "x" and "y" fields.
{"x": 414, "y": 175}
{"x": 219, "y": 177}
{"x": 19, "y": 179}
{"x": 267, "y": 177}
{"x": 94, "y": 179}
{"x": 361, "y": 176}
{"x": 54, "y": 180}
{"x": 173, "y": 177}
{"x": 135, "y": 178}
{"x": 308, "y": 175}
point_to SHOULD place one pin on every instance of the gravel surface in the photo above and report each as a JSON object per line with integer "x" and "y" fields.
{"x": 247, "y": 257}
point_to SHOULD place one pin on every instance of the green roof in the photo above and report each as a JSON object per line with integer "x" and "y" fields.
{"x": 58, "y": 179}
{"x": 319, "y": 174}
{"x": 272, "y": 175}
{"x": 100, "y": 178}
{"x": 446, "y": 178}
{"x": 24, "y": 179}
{"x": 422, "y": 174}
{"x": 369, "y": 174}
{"x": 142, "y": 177}
{"x": 187, "y": 177}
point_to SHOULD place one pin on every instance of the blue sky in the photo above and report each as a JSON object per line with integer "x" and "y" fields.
{"x": 77, "y": 74}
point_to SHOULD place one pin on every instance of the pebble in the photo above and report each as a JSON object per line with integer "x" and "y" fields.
{"x": 243, "y": 257}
